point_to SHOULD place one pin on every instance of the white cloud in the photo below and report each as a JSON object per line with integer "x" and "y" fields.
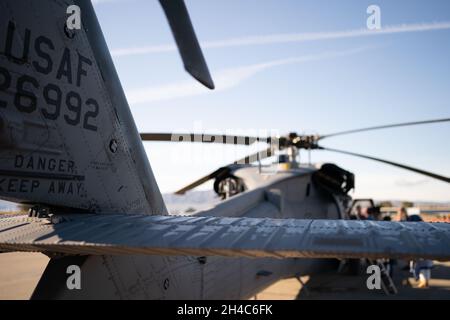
{"x": 224, "y": 79}
{"x": 386, "y": 187}
{"x": 288, "y": 38}
{"x": 409, "y": 182}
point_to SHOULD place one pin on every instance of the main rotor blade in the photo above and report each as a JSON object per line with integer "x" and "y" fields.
{"x": 204, "y": 138}
{"x": 257, "y": 156}
{"x": 399, "y": 165}
{"x": 186, "y": 40}
{"x": 395, "y": 125}
{"x": 201, "y": 181}
{"x": 247, "y": 160}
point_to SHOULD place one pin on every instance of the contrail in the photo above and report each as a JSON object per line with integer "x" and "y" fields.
{"x": 96, "y": 2}
{"x": 224, "y": 79}
{"x": 289, "y": 38}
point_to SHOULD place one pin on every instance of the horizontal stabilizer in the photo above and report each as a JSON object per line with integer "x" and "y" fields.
{"x": 114, "y": 234}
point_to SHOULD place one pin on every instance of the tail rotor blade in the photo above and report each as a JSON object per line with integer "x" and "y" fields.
{"x": 188, "y": 46}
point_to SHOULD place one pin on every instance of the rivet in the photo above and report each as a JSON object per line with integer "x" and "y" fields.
{"x": 113, "y": 146}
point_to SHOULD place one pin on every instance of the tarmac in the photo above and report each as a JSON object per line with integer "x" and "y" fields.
{"x": 334, "y": 286}
{"x": 20, "y": 272}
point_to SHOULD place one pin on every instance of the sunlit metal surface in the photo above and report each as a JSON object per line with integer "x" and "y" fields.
{"x": 249, "y": 237}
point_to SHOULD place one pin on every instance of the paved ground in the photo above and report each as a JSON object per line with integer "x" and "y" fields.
{"x": 334, "y": 286}
{"x": 20, "y": 272}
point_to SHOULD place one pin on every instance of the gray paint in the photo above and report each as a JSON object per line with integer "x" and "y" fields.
{"x": 111, "y": 175}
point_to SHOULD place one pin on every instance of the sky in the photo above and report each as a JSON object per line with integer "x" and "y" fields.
{"x": 281, "y": 66}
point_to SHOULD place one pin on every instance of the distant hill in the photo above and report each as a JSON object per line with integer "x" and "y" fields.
{"x": 397, "y": 203}
{"x": 191, "y": 201}
{"x": 201, "y": 200}
{"x": 7, "y": 206}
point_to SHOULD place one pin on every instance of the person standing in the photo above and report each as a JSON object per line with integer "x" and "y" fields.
{"x": 421, "y": 269}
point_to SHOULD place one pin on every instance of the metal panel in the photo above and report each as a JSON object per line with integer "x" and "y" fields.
{"x": 249, "y": 237}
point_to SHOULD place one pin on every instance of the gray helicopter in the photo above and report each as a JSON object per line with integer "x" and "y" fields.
{"x": 69, "y": 146}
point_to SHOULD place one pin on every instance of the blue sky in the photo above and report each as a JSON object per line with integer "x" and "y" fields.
{"x": 320, "y": 84}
